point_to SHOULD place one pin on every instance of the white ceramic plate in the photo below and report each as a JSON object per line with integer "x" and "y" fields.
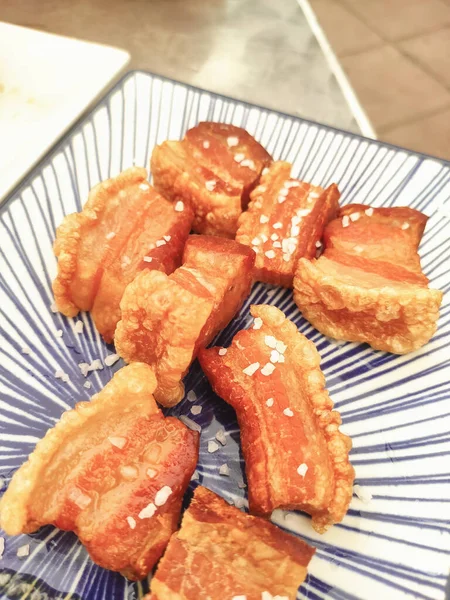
{"x": 396, "y": 408}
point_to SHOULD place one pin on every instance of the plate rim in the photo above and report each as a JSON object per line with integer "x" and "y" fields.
{"x": 109, "y": 91}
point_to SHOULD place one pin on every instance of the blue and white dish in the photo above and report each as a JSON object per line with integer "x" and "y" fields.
{"x": 395, "y": 540}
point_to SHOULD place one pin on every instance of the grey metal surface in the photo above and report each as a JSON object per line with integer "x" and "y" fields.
{"x": 261, "y": 51}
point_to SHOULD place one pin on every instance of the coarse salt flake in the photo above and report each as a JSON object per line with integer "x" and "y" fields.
{"x": 131, "y": 522}
{"x": 111, "y": 235}
{"x": 148, "y": 511}
{"x": 151, "y": 472}
{"x": 277, "y": 244}
{"x": 301, "y": 469}
{"x": 111, "y": 359}
{"x": 117, "y": 441}
{"x": 79, "y": 325}
{"x": 277, "y": 225}
{"x": 239, "y": 157}
{"x": 162, "y": 495}
{"x": 270, "y": 341}
{"x": 224, "y": 470}
{"x": 318, "y": 244}
{"x": 196, "y": 409}
{"x": 288, "y": 412}
{"x": 274, "y": 356}
{"x": 148, "y": 259}
{"x": 222, "y": 351}
{"x": 195, "y": 476}
{"x": 251, "y": 369}
{"x": 269, "y": 402}
{"x": 268, "y": 369}
{"x": 84, "y": 368}
{"x": 281, "y": 347}
{"x": 405, "y": 226}
{"x": 160, "y": 243}
{"x": 2, "y": 546}
{"x": 191, "y": 396}
{"x": 274, "y": 237}
{"x": 87, "y": 385}
{"x": 281, "y": 199}
{"x": 248, "y": 163}
{"x": 59, "y": 333}
{"x": 345, "y": 221}
{"x": 23, "y": 551}
{"x": 96, "y": 365}
{"x": 167, "y": 237}
{"x": 283, "y": 192}
{"x": 264, "y": 238}
{"x": 144, "y": 186}
{"x": 270, "y": 254}
{"x": 295, "y": 230}
{"x": 363, "y": 493}
{"x": 53, "y": 307}
{"x": 179, "y": 206}
{"x": 291, "y": 183}
{"x": 210, "y": 185}
{"x": 256, "y": 241}
{"x": 221, "y": 437}
{"x": 26, "y": 350}
{"x": 358, "y": 248}
{"x": 129, "y": 472}
{"x": 206, "y": 144}
{"x": 354, "y": 216}
{"x": 213, "y": 447}
{"x": 369, "y": 211}
{"x": 232, "y": 141}
{"x": 190, "y": 423}
{"x": 240, "y": 503}
{"x": 263, "y": 219}
{"x": 257, "y": 323}
{"x": 314, "y": 194}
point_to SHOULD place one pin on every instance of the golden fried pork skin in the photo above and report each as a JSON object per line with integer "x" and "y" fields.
{"x": 285, "y": 221}
{"x": 166, "y": 319}
{"x": 295, "y": 456}
{"x": 113, "y": 470}
{"x": 221, "y": 552}
{"x": 124, "y": 227}
{"x": 213, "y": 168}
{"x": 368, "y": 285}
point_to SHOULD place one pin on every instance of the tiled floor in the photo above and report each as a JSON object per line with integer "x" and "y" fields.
{"x": 396, "y": 54}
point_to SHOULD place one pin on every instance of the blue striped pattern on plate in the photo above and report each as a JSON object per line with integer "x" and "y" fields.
{"x": 396, "y": 408}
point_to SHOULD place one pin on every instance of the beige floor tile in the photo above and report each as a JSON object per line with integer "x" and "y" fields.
{"x": 346, "y": 33}
{"x": 397, "y": 19}
{"x": 430, "y": 135}
{"x": 432, "y": 51}
{"x": 391, "y": 88}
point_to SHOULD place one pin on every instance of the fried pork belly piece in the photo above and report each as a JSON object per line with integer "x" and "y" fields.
{"x": 125, "y": 226}
{"x": 156, "y": 243}
{"x": 284, "y": 222}
{"x": 167, "y": 319}
{"x": 368, "y": 285}
{"x": 221, "y": 552}
{"x": 295, "y": 456}
{"x": 213, "y": 168}
{"x": 113, "y": 470}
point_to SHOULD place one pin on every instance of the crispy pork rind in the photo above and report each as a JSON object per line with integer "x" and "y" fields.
{"x": 295, "y": 456}
{"x": 368, "y": 285}
{"x": 87, "y": 240}
{"x": 156, "y": 243}
{"x": 213, "y": 168}
{"x": 113, "y": 470}
{"x": 285, "y": 221}
{"x": 166, "y": 319}
{"x": 221, "y": 552}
